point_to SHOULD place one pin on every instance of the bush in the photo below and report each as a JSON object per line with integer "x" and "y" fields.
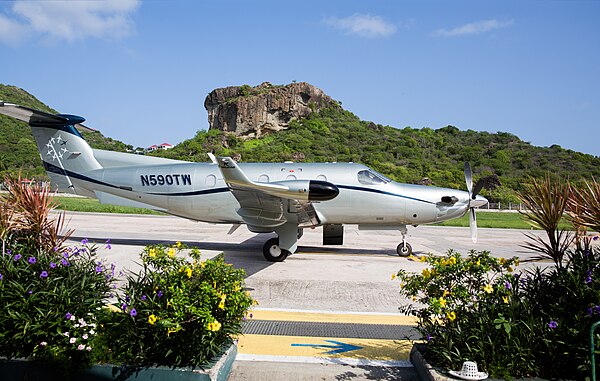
{"x": 175, "y": 312}
{"x": 535, "y": 323}
{"x": 50, "y": 294}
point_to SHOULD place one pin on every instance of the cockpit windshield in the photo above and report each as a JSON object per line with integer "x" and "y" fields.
{"x": 370, "y": 177}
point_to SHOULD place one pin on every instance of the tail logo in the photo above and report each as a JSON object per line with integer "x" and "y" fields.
{"x": 51, "y": 151}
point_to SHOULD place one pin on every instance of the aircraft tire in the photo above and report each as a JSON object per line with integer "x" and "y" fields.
{"x": 404, "y": 251}
{"x": 272, "y": 251}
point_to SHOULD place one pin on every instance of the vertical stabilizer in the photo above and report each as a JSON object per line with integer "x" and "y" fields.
{"x": 65, "y": 154}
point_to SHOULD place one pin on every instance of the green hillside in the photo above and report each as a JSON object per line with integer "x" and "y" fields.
{"x": 18, "y": 151}
{"x": 333, "y": 134}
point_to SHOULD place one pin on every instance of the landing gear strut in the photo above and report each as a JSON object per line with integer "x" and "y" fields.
{"x": 404, "y": 249}
{"x": 274, "y": 253}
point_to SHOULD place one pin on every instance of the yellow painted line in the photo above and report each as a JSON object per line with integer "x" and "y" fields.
{"x": 332, "y": 317}
{"x": 371, "y": 349}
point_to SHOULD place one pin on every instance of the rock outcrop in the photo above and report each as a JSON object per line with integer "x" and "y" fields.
{"x": 251, "y": 112}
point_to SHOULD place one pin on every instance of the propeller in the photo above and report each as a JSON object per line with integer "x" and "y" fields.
{"x": 473, "y": 191}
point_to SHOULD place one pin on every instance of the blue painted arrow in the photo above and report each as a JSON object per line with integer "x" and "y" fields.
{"x": 339, "y": 347}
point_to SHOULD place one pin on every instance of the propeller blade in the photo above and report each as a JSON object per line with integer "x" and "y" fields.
{"x": 473, "y": 224}
{"x": 468, "y": 177}
{"x": 478, "y": 187}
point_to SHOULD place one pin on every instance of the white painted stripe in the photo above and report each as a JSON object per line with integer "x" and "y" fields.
{"x": 326, "y": 360}
{"x": 329, "y": 312}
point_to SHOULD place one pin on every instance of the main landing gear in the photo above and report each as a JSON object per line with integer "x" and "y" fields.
{"x": 274, "y": 253}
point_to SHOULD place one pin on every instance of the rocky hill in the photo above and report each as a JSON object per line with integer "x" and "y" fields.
{"x": 252, "y": 112}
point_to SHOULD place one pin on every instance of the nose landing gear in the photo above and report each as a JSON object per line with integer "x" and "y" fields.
{"x": 404, "y": 249}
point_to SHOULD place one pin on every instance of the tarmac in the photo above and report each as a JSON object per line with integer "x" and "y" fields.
{"x": 326, "y": 312}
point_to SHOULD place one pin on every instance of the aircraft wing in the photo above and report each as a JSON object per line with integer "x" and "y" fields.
{"x": 270, "y": 205}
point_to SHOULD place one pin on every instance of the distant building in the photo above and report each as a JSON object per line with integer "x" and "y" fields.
{"x": 163, "y": 146}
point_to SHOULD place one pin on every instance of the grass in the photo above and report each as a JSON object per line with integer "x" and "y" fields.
{"x": 78, "y": 204}
{"x": 484, "y": 219}
{"x": 501, "y": 220}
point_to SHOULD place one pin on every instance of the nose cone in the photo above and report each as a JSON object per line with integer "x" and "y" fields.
{"x": 478, "y": 202}
{"x": 322, "y": 191}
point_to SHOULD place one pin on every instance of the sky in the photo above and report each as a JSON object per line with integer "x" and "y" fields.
{"x": 139, "y": 71}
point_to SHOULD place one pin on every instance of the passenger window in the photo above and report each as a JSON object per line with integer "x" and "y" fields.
{"x": 369, "y": 177}
{"x": 210, "y": 181}
{"x": 263, "y": 179}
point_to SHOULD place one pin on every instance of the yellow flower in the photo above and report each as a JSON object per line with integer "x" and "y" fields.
{"x": 152, "y": 319}
{"x": 446, "y": 293}
{"x": 516, "y": 262}
{"x": 451, "y": 316}
{"x": 423, "y": 258}
{"x": 442, "y": 302}
{"x": 222, "y": 302}
{"x": 213, "y": 326}
{"x": 393, "y": 276}
{"x": 478, "y": 263}
{"x": 426, "y": 273}
{"x": 152, "y": 253}
{"x": 452, "y": 260}
{"x": 171, "y": 252}
{"x": 505, "y": 299}
{"x": 502, "y": 261}
{"x": 202, "y": 264}
{"x": 509, "y": 269}
{"x": 178, "y": 245}
{"x": 237, "y": 288}
{"x": 171, "y": 330}
{"x": 169, "y": 302}
{"x": 188, "y": 272}
{"x": 488, "y": 288}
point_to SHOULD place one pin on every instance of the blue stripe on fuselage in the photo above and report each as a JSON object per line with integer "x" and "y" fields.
{"x": 363, "y": 189}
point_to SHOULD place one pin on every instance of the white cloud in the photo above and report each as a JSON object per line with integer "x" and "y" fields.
{"x": 478, "y": 27}
{"x": 363, "y": 25}
{"x": 72, "y": 20}
{"x": 11, "y": 32}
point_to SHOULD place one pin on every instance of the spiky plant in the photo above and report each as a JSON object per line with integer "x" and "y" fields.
{"x": 28, "y": 209}
{"x": 585, "y": 205}
{"x": 545, "y": 204}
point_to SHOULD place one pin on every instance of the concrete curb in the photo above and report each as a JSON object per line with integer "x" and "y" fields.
{"x": 423, "y": 368}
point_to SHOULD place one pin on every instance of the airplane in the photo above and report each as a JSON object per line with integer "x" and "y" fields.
{"x": 284, "y": 198}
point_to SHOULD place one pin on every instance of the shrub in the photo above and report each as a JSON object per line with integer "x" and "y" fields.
{"x": 175, "y": 312}
{"x": 50, "y": 294}
{"x": 535, "y": 323}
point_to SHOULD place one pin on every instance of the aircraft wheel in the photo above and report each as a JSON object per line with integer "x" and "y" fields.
{"x": 274, "y": 253}
{"x": 404, "y": 251}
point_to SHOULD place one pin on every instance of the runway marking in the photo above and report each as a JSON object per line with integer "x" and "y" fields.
{"x": 367, "y": 349}
{"x": 327, "y": 350}
{"x": 331, "y": 317}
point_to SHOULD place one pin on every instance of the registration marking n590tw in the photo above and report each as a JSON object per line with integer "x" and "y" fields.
{"x": 179, "y": 179}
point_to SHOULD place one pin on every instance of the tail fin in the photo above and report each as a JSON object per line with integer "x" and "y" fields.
{"x": 64, "y": 152}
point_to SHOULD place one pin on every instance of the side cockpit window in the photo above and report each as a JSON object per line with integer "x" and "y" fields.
{"x": 370, "y": 177}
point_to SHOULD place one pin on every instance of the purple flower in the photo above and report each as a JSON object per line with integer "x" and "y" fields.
{"x": 127, "y": 298}
{"x": 108, "y": 247}
{"x": 597, "y": 309}
{"x": 588, "y": 277}
{"x": 429, "y": 337}
{"x": 507, "y": 285}
{"x": 65, "y": 255}
{"x": 52, "y": 265}
{"x": 64, "y": 262}
{"x": 595, "y": 238}
{"x": 84, "y": 241}
{"x": 17, "y": 257}
{"x": 587, "y": 252}
{"x": 124, "y": 307}
{"x": 32, "y": 260}
{"x": 55, "y": 249}
{"x": 1, "y": 276}
{"x": 8, "y": 251}
{"x": 44, "y": 274}
{"x": 30, "y": 292}
{"x": 68, "y": 316}
{"x": 590, "y": 311}
{"x": 98, "y": 269}
{"x": 159, "y": 294}
{"x": 144, "y": 297}
{"x": 133, "y": 312}
{"x": 552, "y": 324}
